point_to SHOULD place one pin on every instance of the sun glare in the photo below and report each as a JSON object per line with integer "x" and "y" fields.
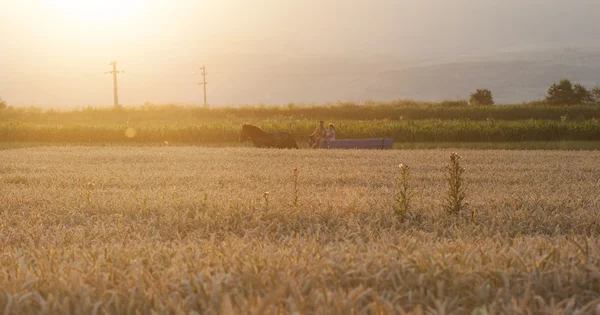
{"x": 98, "y": 10}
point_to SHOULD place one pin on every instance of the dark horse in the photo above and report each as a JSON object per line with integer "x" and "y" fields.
{"x": 261, "y": 139}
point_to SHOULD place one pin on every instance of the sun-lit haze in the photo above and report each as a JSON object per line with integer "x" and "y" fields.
{"x": 55, "y": 52}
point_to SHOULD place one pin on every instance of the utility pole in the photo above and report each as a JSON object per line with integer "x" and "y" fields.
{"x": 203, "y": 68}
{"x": 114, "y": 72}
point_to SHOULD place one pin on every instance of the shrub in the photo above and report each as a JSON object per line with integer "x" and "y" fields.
{"x": 454, "y": 103}
{"x": 482, "y": 97}
{"x": 3, "y": 104}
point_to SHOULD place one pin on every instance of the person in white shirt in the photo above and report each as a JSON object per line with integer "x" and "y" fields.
{"x": 330, "y": 134}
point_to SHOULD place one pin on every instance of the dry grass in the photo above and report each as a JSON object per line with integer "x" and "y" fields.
{"x": 183, "y": 230}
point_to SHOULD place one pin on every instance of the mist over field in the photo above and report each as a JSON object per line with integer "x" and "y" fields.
{"x": 275, "y": 52}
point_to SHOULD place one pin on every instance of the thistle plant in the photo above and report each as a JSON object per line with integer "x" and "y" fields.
{"x": 455, "y": 197}
{"x": 266, "y": 198}
{"x": 88, "y": 192}
{"x": 404, "y": 194}
{"x": 296, "y": 190}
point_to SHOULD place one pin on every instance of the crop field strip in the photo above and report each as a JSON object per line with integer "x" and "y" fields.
{"x": 183, "y": 229}
{"x": 403, "y": 121}
{"x": 228, "y": 132}
{"x": 395, "y": 110}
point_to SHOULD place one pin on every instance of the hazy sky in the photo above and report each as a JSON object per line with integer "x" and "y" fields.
{"x": 54, "y": 52}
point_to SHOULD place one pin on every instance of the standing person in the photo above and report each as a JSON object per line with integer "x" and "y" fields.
{"x": 330, "y": 134}
{"x": 318, "y": 135}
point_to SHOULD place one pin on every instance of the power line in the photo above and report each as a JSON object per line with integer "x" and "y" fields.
{"x": 114, "y": 72}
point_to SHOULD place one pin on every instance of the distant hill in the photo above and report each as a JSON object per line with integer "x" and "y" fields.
{"x": 510, "y": 81}
{"x": 513, "y": 77}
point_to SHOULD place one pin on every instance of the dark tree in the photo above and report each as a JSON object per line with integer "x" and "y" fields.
{"x": 482, "y": 97}
{"x": 596, "y": 94}
{"x": 565, "y": 93}
{"x": 581, "y": 94}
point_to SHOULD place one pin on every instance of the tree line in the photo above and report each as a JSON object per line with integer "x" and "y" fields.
{"x": 561, "y": 93}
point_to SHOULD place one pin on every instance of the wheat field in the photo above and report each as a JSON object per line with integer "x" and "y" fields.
{"x": 189, "y": 230}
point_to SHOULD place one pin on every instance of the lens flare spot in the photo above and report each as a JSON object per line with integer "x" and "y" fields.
{"x": 130, "y": 132}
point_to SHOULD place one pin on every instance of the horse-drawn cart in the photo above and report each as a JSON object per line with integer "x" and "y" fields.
{"x": 284, "y": 140}
{"x": 369, "y": 144}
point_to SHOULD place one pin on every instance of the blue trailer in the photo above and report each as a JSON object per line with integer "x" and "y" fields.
{"x": 368, "y": 144}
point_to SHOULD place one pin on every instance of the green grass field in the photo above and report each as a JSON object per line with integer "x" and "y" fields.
{"x": 220, "y": 126}
{"x": 228, "y": 132}
{"x": 396, "y": 110}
